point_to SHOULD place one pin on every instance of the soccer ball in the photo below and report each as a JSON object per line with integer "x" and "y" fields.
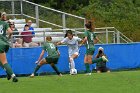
{"x": 73, "y": 71}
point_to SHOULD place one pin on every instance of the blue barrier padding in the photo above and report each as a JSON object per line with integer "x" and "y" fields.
{"x": 121, "y": 56}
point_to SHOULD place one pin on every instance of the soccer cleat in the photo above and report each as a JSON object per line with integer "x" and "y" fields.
{"x": 88, "y": 74}
{"x": 104, "y": 59}
{"x": 15, "y": 79}
{"x": 8, "y": 77}
{"x": 32, "y": 75}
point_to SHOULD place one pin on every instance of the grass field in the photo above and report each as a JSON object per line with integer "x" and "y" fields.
{"x": 114, "y": 82}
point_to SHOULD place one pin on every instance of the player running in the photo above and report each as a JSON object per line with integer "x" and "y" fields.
{"x": 4, "y": 47}
{"x": 52, "y": 58}
{"x": 73, "y": 49}
{"x": 89, "y": 40}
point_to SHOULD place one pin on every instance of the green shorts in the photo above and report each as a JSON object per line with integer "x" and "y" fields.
{"x": 50, "y": 60}
{"x": 4, "y": 46}
{"x": 90, "y": 51}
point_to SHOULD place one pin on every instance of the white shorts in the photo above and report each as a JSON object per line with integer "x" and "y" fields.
{"x": 76, "y": 53}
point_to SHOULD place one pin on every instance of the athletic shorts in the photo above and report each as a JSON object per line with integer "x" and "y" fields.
{"x": 102, "y": 69}
{"x": 76, "y": 53}
{"x": 4, "y": 46}
{"x": 50, "y": 60}
{"x": 90, "y": 51}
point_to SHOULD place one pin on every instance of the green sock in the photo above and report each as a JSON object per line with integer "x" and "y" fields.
{"x": 56, "y": 70}
{"x": 87, "y": 67}
{"x": 8, "y": 69}
{"x": 97, "y": 60}
{"x": 36, "y": 69}
{"x": 3, "y": 67}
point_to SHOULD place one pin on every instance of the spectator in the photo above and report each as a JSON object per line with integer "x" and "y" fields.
{"x": 27, "y": 37}
{"x": 30, "y": 27}
{"x": 101, "y": 66}
{"x": 3, "y": 17}
{"x": 12, "y": 27}
{"x": 17, "y": 42}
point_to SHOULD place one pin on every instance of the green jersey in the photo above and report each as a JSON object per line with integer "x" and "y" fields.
{"x": 4, "y": 45}
{"x": 51, "y": 49}
{"x": 90, "y": 37}
{"x": 100, "y": 64}
{"x": 3, "y": 28}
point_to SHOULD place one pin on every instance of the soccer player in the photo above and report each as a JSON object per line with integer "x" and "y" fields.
{"x": 73, "y": 48}
{"x": 90, "y": 39}
{"x": 52, "y": 58}
{"x": 4, "y": 47}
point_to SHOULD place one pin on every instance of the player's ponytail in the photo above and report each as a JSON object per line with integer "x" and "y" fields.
{"x": 89, "y": 25}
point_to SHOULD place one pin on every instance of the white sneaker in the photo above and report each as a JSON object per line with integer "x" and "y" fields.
{"x": 104, "y": 59}
{"x": 88, "y": 74}
{"x": 32, "y": 75}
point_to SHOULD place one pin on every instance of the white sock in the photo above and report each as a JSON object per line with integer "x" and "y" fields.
{"x": 72, "y": 64}
{"x": 13, "y": 75}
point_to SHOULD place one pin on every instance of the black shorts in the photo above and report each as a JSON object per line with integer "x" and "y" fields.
{"x": 50, "y": 60}
{"x": 4, "y": 46}
{"x": 102, "y": 69}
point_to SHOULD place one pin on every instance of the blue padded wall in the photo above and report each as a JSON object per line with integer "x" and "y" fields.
{"x": 121, "y": 56}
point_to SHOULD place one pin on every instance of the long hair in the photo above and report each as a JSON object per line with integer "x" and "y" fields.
{"x": 68, "y": 32}
{"x": 89, "y": 25}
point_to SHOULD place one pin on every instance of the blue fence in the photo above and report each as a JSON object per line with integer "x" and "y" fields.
{"x": 121, "y": 56}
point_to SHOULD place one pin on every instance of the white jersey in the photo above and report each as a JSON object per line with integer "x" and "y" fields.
{"x": 73, "y": 46}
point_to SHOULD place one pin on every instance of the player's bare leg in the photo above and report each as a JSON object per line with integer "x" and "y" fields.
{"x": 88, "y": 61}
{"x": 42, "y": 62}
{"x": 7, "y": 67}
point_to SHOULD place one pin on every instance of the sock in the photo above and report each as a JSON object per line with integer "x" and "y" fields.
{"x": 87, "y": 67}
{"x": 8, "y": 69}
{"x": 36, "y": 69}
{"x": 56, "y": 70}
{"x": 72, "y": 64}
{"x": 3, "y": 68}
{"x": 97, "y": 60}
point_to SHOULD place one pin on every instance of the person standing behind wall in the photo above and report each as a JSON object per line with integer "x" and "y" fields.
{"x": 27, "y": 36}
{"x": 3, "y": 17}
{"x": 29, "y": 23}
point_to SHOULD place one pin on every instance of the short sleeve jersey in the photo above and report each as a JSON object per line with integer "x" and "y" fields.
{"x": 90, "y": 37}
{"x": 101, "y": 64}
{"x": 51, "y": 49}
{"x": 72, "y": 44}
{"x": 3, "y": 28}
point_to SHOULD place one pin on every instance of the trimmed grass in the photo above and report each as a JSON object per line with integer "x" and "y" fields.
{"x": 114, "y": 82}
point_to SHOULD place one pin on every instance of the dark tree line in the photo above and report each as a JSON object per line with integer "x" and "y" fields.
{"x": 122, "y": 14}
